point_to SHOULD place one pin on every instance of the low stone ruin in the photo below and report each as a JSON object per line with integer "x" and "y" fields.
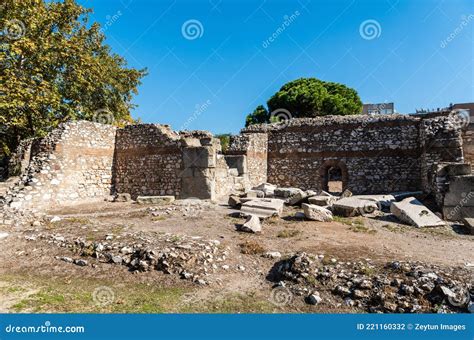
{"x": 373, "y": 155}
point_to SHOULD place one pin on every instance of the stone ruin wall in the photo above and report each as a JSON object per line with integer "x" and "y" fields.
{"x": 375, "y": 154}
{"x": 468, "y": 144}
{"x": 72, "y": 163}
{"x": 441, "y": 141}
{"x": 254, "y": 146}
{"x": 84, "y": 160}
{"x": 147, "y": 160}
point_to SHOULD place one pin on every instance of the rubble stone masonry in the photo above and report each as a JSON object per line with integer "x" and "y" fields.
{"x": 147, "y": 160}
{"x": 374, "y": 154}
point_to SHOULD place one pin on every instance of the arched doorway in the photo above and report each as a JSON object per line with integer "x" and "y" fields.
{"x": 333, "y": 176}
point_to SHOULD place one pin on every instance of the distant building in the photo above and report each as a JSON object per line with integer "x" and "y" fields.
{"x": 378, "y": 109}
{"x": 444, "y": 111}
{"x": 466, "y": 106}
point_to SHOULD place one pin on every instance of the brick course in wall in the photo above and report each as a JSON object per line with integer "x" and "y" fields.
{"x": 147, "y": 160}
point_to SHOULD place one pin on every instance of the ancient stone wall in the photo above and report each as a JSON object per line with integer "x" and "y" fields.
{"x": 375, "y": 154}
{"x": 441, "y": 142}
{"x": 254, "y": 146}
{"x": 72, "y": 163}
{"x": 147, "y": 160}
{"x": 468, "y": 145}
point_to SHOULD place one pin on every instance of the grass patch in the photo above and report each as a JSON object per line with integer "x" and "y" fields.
{"x": 287, "y": 233}
{"x": 343, "y": 220}
{"x": 76, "y": 296}
{"x": 369, "y": 271}
{"x": 394, "y": 228}
{"x": 159, "y": 218}
{"x": 251, "y": 248}
{"x": 272, "y": 220}
{"x": 362, "y": 229}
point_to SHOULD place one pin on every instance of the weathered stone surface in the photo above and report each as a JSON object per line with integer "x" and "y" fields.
{"x": 459, "y": 169}
{"x": 460, "y": 192}
{"x": 81, "y": 262}
{"x": 316, "y": 213}
{"x": 267, "y": 188}
{"x": 413, "y": 212}
{"x": 314, "y": 299}
{"x": 272, "y": 255}
{"x": 287, "y": 192}
{"x": 255, "y": 194}
{"x": 353, "y": 206}
{"x": 264, "y": 207}
{"x": 252, "y": 225}
{"x": 297, "y": 198}
{"x": 322, "y": 200}
{"x": 234, "y": 201}
{"x": 382, "y": 200}
{"x": 155, "y": 199}
{"x": 3, "y": 235}
{"x": 346, "y": 193}
{"x": 469, "y": 223}
{"x": 123, "y": 197}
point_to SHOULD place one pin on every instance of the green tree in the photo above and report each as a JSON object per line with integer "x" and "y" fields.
{"x": 258, "y": 116}
{"x": 309, "y": 97}
{"x": 55, "y": 67}
{"x": 225, "y": 140}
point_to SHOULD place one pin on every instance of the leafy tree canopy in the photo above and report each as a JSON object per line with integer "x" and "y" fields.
{"x": 55, "y": 66}
{"x": 309, "y": 97}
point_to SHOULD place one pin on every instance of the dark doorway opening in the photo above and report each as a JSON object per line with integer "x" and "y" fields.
{"x": 334, "y": 180}
{"x": 333, "y": 176}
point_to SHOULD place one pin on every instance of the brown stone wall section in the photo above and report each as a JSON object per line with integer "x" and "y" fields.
{"x": 72, "y": 163}
{"x": 468, "y": 145}
{"x": 255, "y": 147}
{"x": 378, "y": 154}
{"x": 147, "y": 160}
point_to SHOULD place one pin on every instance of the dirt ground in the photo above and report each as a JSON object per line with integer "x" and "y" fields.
{"x": 34, "y": 279}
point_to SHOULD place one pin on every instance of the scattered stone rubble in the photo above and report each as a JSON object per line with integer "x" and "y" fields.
{"x": 397, "y": 287}
{"x": 266, "y": 200}
{"x": 191, "y": 258}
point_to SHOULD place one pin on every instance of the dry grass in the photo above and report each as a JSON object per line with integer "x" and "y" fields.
{"x": 287, "y": 233}
{"x": 251, "y": 248}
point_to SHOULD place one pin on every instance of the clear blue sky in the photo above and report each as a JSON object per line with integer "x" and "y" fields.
{"x": 420, "y": 53}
